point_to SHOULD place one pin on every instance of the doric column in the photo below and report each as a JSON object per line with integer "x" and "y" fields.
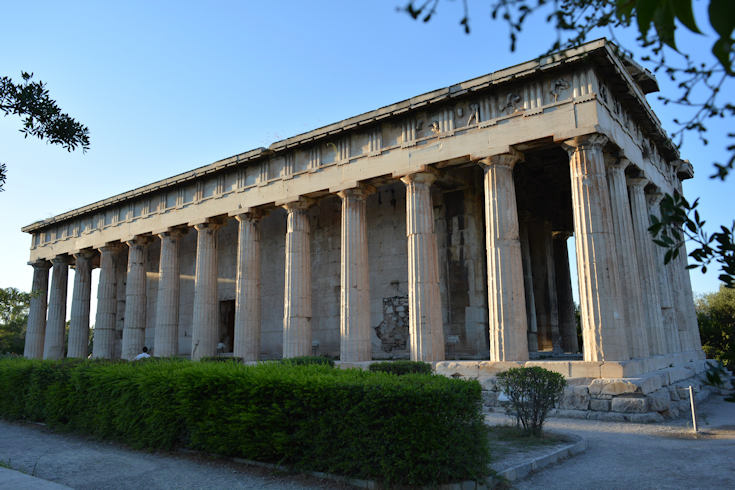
{"x": 544, "y": 284}
{"x": 505, "y": 288}
{"x": 694, "y": 342}
{"x": 565, "y": 300}
{"x": 135, "y": 299}
{"x": 53, "y": 344}
{"x": 166, "y": 333}
{"x": 425, "y": 323}
{"x": 79, "y": 322}
{"x": 602, "y": 323}
{"x": 297, "y": 292}
{"x": 646, "y": 265}
{"x": 247, "y": 292}
{"x": 104, "y": 325}
{"x": 528, "y": 287}
{"x": 355, "y": 278}
{"x": 36, "y": 329}
{"x": 627, "y": 262}
{"x": 671, "y": 331}
{"x": 205, "y": 318}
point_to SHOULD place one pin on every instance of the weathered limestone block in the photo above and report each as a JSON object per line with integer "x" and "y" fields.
{"x": 643, "y": 418}
{"x": 561, "y": 367}
{"x": 599, "y": 405}
{"x": 628, "y": 404}
{"x": 488, "y": 383}
{"x": 659, "y": 400}
{"x": 575, "y": 398}
{"x": 612, "y": 386}
{"x": 584, "y": 369}
{"x": 673, "y": 394}
{"x": 606, "y": 416}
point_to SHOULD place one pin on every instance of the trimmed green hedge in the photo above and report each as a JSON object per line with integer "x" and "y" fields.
{"x": 411, "y": 429}
{"x": 402, "y": 367}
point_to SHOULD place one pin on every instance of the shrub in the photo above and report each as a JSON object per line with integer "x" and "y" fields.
{"x": 306, "y": 360}
{"x": 413, "y": 429}
{"x": 221, "y": 359}
{"x": 532, "y": 391}
{"x": 402, "y": 367}
{"x": 716, "y": 320}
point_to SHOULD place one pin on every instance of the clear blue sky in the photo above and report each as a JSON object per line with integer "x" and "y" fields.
{"x": 168, "y": 86}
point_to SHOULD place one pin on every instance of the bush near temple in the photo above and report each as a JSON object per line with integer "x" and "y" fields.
{"x": 532, "y": 391}
{"x": 716, "y": 319}
{"x": 412, "y": 429}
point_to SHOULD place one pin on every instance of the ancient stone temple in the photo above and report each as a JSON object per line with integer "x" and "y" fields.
{"x": 435, "y": 228}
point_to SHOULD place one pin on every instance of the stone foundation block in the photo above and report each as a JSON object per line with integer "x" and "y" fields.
{"x": 584, "y": 369}
{"x": 488, "y": 383}
{"x": 673, "y": 394}
{"x": 607, "y": 416}
{"x": 569, "y": 414}
{"x": 629, "y": 405}
{"x": 599, "y": 405}
{"x": 490, "y": 368}
{"x": 489, "y": 398}
{"x": 614, "y": 386}
{"x": 560, "y": 367}
{"x": 575, "y": 398}
{"x": 659, "y": 400}
{"x": 465, "y": 369}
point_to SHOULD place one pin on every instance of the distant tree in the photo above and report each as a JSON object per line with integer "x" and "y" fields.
{"x": 14, "y": 306}
{"x": 716, "y": 319}
{"x": 699, "y": 81}
{"x": 41, "y": 116}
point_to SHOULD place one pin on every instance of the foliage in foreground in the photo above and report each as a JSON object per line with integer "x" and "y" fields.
{"x": 14, "y": 306}
{"x": 716, "y": 319}
{"x": 532, "y": 391}
{"x": 402, "y": 367}
{"x": 412, "y": 429}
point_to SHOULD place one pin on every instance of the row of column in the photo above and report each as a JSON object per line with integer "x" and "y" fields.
{"x": 628, "y": 307}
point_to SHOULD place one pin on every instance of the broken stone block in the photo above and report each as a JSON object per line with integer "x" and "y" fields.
{"x": 575, "y": 398}
{"x": 659, "y": 400}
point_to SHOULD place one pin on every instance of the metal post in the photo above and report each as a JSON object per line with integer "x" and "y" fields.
{"x": 691, "y": 402}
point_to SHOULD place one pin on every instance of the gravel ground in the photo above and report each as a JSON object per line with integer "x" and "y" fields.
{"x": 634, "y": 456}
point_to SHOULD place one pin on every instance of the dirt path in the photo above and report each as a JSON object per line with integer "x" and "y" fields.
{"x": 634, "y": 456}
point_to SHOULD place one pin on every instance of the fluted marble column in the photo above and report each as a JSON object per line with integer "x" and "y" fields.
{"x": 689, "y": 314}
{"x": 247, "y": 292}
{"x": 82, "y": 292}
{"x": 425, "y": 323}
{"x": 646, "y": 264}
{"x": 355, "y": 278}
{"x": 205, "y": 319}
{"x": 544, "y": 283}
{"x": 601, "y": 313}
{"x": 297, "y": 292}
{"x": 627, "y": 262}
{"x": 505, "y": 283}
{"x": 133, "y": 337}
{"x": 36, "y": 329}
{"x": 528, "y": 287}
{"x": 671, "y": 331}
{"x": 565, "y": 300}
{"x": 104, "y": 326}
{"x": 53, "y": 344}
{"x": 166, "y": 333}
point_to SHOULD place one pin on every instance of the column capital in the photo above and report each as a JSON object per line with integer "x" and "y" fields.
{"x": 300, "y": 204}
{"x": 426, "y": 177}
{"x": 173, "y": 232}
{"x": 508, "y": 159}
{"x": 561, "y": 234}
{"x": 139, "y": 240}
{"x": 61, "y": 260}
{"x": 212, "y": 224}
{"x": 637, "y": 182}
{"x": 87, "y": 254}
{"x": 585, "y": 142}
{"x": 251, "y": 214}
{"x": 40, "y": 264}
{"x": 653, "y": 198}
{"x": 359, "y": 192}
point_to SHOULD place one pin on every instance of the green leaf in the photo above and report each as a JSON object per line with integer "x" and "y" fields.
{"x": 683, "y": 11}
{"x": 645, "y": 9}
{"x": 663, "y": 19}
{"x": 721, "y": 49}
{"x": 722, "y": 17}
